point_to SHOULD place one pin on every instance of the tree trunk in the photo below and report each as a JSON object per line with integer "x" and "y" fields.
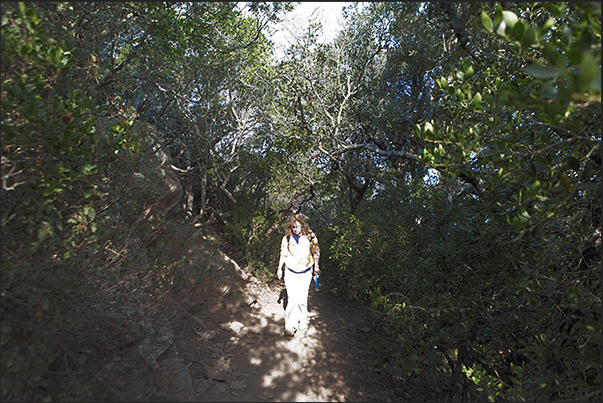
{"x": 203, "y": 199}
{"x": 188, "y": 190}
{"x": 356, "y": 192}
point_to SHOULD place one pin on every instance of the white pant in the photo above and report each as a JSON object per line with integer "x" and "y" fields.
{"x": 296, "y": 314}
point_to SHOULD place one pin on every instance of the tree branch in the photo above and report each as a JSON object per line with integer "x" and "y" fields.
{"x": 110, "y": 77}
{"x": 476, "y": 182}
{"x": 457, "y": 24}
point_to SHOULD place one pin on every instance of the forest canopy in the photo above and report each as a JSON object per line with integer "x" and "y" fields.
{"x": 446, "y": 154}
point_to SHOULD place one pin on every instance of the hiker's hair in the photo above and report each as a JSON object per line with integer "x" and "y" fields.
{"x": 305, "y": 228}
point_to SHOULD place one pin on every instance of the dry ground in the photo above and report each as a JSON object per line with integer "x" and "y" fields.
{"x": 241, "y": 355}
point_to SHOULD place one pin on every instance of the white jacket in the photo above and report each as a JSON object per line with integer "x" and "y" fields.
{"x": 297, "y": 256}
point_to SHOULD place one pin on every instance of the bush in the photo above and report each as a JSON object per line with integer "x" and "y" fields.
{"x": 72, "y": 266}
{"x": 500, "y": 315}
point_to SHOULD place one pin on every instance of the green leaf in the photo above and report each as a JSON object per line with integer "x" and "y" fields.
{"x": 477, "y": 99}
{"x": 486, "y": 21}
{"x": 468, "y": 73}
{"x": 565, "y": 181}
{"x": 528, "y": 37}
{"x": 523, "y": 214}
{"x": 444, "y": 84}
{"x": 545, "y": 28}
{"x": 539, "y": 71}
{"x": 518, "y": 31}
{"x": 44, "y": 231}
{"x": 89, "y": 169}
{"x": 573, "y": 163}
{"x": 428, "y": 131}
{"x": 51, "y": 189}
{"x": 589, "y": 70}
{"x": 515, "y": 223}
{"x": 510, "y": 18}
{"x": 567, "y": 36}
{"x": 501, "y": 28}
{"x": 552, "y": 8}
{"x": 498, "y": 14}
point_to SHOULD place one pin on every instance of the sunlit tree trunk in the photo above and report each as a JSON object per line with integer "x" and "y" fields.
{"x": 188, "y": 191}
{"x": 203, "y": 196}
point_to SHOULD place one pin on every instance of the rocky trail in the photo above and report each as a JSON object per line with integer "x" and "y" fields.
{"x": 241, "y": 355}
{"x": 230, "y": 347}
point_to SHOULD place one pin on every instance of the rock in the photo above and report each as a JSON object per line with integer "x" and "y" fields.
{"x": 175, "y": 380}
{"x": 198, "y": 320}
{"x": 221, "y": 388}
{"x": 234, "y": 326}
{"x": 238, "y": 385}
{"x": 215, "y": 285}
{"x": 159, "y": 338}
{"x": 245, "y": 316}
{"x": 202, "y": 385}
{"x": 216, "y": 374}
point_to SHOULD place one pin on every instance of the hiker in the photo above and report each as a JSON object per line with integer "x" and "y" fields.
{"x": 299, "y": 261}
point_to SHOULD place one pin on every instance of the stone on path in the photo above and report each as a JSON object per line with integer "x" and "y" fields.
{"x": 238, "y": 385}
{"x": 234, "y": 326}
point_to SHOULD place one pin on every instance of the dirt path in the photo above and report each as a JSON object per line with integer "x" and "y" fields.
{"x": 240, "y": 355}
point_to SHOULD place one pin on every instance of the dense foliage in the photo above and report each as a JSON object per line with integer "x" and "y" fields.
{"x": 446, "y": 154}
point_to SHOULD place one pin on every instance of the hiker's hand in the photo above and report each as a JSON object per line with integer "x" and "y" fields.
{"x": 317, "y": 271}
{"x": 279, "y": 273}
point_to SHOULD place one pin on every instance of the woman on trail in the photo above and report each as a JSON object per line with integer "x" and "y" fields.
{"x": 299, "y": 258}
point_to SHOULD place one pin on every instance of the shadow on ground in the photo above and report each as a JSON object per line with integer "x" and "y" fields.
{"x": 241, "y": 354}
